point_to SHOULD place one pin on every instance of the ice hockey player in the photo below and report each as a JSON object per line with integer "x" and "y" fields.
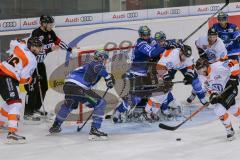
{"x": 77, "y": 89}
{"x": 222, "y": 82}
{"x": 212, "y": 48}
{"x": 17, "y": 69}
{"x": 51, "y": 42}
{"x": 230, "y": 35}
{"x": 181, "y": 59}
{"x": 145, "y": 49}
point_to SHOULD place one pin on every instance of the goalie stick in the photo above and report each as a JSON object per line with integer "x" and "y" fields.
{"x": 173, "y": 128}
{"x": 190, "y": 35}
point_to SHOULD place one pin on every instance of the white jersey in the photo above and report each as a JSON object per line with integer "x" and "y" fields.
{"x": 219, "y": 74}
{"x": 21, "y": 63}
{"x": 171, "y": 60}
{"x": 214, "y": 52}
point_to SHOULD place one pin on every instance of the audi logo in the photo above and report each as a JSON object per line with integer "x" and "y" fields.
{"x": 86, "y": 18}
{"x": 175, "y": 11}
{"x": 132, "y": 15}
{"x": 214, "y": 8}
{"x": 9, "y": 24}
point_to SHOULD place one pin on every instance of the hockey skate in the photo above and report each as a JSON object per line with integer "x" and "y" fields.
{"x": 56, "y": 128}
{"x": 230, "y": 135}
{"x": 191, "y": 98}
{"x": 13, "y": 138}
{"x": 167, "y": 114}
{"x": 96, "y": 135}
{"x": 119, "y": 117}
{"x": 152, "y": 117}
{"x": 32, "y": 119}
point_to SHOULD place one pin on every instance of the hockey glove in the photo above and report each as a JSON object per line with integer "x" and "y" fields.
{"x": 214, "y": 98}
{"x": 69, "y": 49}
{"x": 109, "y": 82}
{"x": 188, "y": 78}
{"x": 167, "y": 77}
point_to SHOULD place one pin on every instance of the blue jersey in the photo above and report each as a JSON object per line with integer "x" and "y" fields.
{"x": 143, "y": 51}
{"x": 225, "y": 33}
{"x": 88, "y": 75}
{"x": 228, "y": 35}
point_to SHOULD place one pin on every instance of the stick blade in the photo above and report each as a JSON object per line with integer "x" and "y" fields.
{"x": 170, "y": 128}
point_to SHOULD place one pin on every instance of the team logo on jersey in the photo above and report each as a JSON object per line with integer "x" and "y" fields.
{"x": 230, "y": 30}
{"x": 41, "y": 38}
{"x": 217, "y": 77}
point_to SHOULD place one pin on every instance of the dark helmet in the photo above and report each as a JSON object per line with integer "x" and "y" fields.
{"x": 144, "y": 31}
{"x": 222, "y": 16}
{"x": 212, "y": 32}
{"x": 34, "y": 42}
{"x": 160, "y": 36}
{"x": 100, "y": 55}
{"x": 46, "y": 19}
{"x": 187, "y": 50}
{"x": 201, "y": 62}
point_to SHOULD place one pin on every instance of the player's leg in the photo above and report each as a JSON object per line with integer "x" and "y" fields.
{"x": 3, "y": 116}
{"x": 72, "y": 93}
{"x": 10, "y": 94}
{"x": 196, "y": 85}
{"x": 223, "y": 115}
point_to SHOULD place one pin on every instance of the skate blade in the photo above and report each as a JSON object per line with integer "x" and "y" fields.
{"x": 231, "y": 138}
{"x": 96, "y": 138}
{"x": 32, "y": 122}
{"x": 11, "y": 141}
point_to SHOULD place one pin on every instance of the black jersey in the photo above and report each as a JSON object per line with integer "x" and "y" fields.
{"x": 49, "y": 39}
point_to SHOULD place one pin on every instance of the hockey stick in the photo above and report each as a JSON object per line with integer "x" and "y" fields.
{"x": 173, "y": 128}
{"x": 40, "y": 92}
{"x": 80, "y": 128}
{"x": 190, "y": 35}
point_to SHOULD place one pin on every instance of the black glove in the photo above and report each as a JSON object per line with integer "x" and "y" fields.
{"x": 69, "y": 49}
{"x": 233, "y": 81}
{"x": 214, "y": 98}
{"x": 167, "y": 77}
{"x": 188, "y": 78}
{"x": 110, "y": 82}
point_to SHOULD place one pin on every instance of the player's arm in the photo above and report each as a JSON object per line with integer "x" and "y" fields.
{"x": 201, "y": 51}
{"x": 27, "y": 71}
{"x": 60, "y": 43}
{"x": 109, "y": 79}
{"x": 150, "y": 51}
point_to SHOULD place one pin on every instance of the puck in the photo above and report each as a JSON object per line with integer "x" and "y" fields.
{"x": 178, "y": 139}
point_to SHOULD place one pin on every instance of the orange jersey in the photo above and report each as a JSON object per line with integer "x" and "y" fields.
{"x": 21, "y": 63}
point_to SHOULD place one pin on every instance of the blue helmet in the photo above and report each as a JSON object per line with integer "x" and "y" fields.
{"x": 144, "y": 31}
{"x": 160, "y": 36}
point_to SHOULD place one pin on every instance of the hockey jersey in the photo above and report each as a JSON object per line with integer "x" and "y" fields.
{"x": 49, "y": 39}
{"x": 21, "y": 63}
{"x": 214, "y": 52}
{"x": 171, "y": 60}
{"x": 219, "y": 74}
{"x": 88, "y": 75}
{"x": 143, "y": 51}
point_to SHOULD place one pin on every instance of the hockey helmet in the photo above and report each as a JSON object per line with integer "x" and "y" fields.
{"x": 46, "y": 19}
{"x": 160, "y": 36}
{"x": 222, "y": 16}
{"x": 100, "y": 55}
{"x": 187, "y": 50}
{"x": 34, "y": 42}
{"x": 144, "y": 31}
{"x": 201, "y": 62}
{"x": 212, "y": 32}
